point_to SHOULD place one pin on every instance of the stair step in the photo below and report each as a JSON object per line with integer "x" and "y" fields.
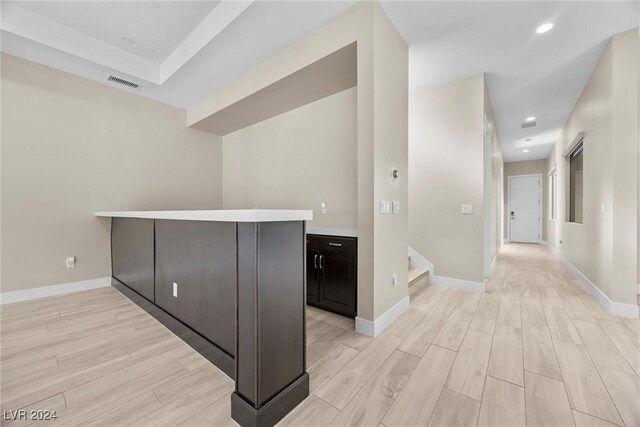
{"x": 416, "y": 275}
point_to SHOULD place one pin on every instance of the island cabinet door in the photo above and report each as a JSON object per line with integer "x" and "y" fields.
{"x": 313, "y": 277}
{"x": 196, "y": 277}
{"x": 132, "y": 254}
{"x": 338, "y": 282}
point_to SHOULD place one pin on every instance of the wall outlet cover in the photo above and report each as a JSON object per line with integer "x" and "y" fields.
{"x": 385, "y": 207}
{"x": 467, "y": 209}
{"x": 71, "y": 262}
{"x": 396, "y": 207}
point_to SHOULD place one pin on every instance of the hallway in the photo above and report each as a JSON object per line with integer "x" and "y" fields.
{"x": 536, "y": 348}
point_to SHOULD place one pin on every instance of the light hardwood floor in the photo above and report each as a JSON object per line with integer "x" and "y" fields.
{"x": 535, "y": 349}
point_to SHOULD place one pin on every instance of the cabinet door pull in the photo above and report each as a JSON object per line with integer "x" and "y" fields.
{"x": 315, "y": 261}
{"x": 321, "y": 261}
{"x": 335, "y": 244}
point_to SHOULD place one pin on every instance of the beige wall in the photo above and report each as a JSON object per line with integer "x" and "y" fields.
{"x": 382, "y": 62}
{"x": 526, "y": 168}
{"x": 298, "y": 160}
{"x": 71, "y": 146}
{"x": 446, "y": 171}
{"x": 390, "y": 151}
{"x": 605, "y": 247}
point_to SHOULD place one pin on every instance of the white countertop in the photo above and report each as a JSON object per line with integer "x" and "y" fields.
{"x": 239, "y": 215}
{"x": 332, "y": 231}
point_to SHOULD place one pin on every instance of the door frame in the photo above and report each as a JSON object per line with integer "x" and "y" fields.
{"x": 540, "y": 196}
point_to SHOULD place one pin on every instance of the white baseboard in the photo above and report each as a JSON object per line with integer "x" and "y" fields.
{"x": 552, "y": 248}
{"x": 613, "y": 307}
{"x": 374, "y": 328}
{"x": 48, "y": 291}
{"x": 492, "y": 268}
{"x": 419, "y": 262}
{"x": 450, "y": 282}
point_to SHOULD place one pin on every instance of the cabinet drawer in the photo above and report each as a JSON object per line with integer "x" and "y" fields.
{"x": 332, "y": 243}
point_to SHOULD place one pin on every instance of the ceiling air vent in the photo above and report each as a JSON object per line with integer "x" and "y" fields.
{"x": 528, "y": 125}
{"x": 123, "y": 82}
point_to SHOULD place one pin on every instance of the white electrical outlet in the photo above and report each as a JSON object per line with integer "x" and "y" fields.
{"x": 467, "y": 209}
{"x": 394, "y": 280}
{"x": 175, "y": 289}
{"x": 323, "y": 207}
{"x": 385, "y": 207}
{"x": 396, "y": 207}
{"x": 71, "y": 262}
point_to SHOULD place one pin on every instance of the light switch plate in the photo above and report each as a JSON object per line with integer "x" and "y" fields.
{"x": 396, "y": 207}
{"x": 175, "y": 289}
{"x": 385, "y": 207}
{"x": 467, "y": 209}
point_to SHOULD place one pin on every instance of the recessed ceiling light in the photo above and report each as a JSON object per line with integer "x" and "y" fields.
{"x": 528, "y": 139}
{"x": 155, "y": 4}
{"x": 544, "y": 28}
{"x": 530, "y": 119}
{"x": 526, "y": 150}
{"x": 128, "y": 40}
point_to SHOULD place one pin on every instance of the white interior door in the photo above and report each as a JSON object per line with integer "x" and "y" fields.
{"x": 525, "y": 211}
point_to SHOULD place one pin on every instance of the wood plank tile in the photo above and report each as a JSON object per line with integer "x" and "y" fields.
{"x": 539, "y": 354}
{"x": 469, "y": 301}
{"x": 182, "y": 408}
{"x": 470, "y": 367}
{"x": 560, "y": 325}
{"x": 414, "y": 405}
{"x": 625, "y": 341}
{"x": 142, "y": 406}
{"x": 506, "y": 359}
{"x": 532, "y": 311}
{"x": 217, "y": 414}
{"x": 374, "y": 398}
{"x": 313, "y": 411}
{"x": 624, "y": 390}
{"x": 325, "y": 368}
{"x": 600, "y": 348}
{"x": 452, "y": 332}
{"x": 486, "y": 315}
{"x": 454, "y": 409}
{"x": 584, "y": 387}
{"x": 403, "y": 325}
{"x": 584, "y": 420}
{"x": 447, "y": 302}
{"x": 346, "y": 383}
{"x": 546, "y": 401}
{"x": 503, "y": 404}
{"x": 418, "y": 340}
{"x": 577, "y": 310}
{"x": 632, "y": 324}
{"x": 509, "y": 312}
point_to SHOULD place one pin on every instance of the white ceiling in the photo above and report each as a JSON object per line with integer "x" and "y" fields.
{"x": 233, "y": 38}
{"x": 528, "y": 74}
{"x": 157, "y": 31}
{"x": 185, "y": 50}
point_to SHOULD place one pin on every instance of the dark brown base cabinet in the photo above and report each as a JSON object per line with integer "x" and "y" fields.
{"x": 234, "y": 291}
{"x": 332, "y": 273}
